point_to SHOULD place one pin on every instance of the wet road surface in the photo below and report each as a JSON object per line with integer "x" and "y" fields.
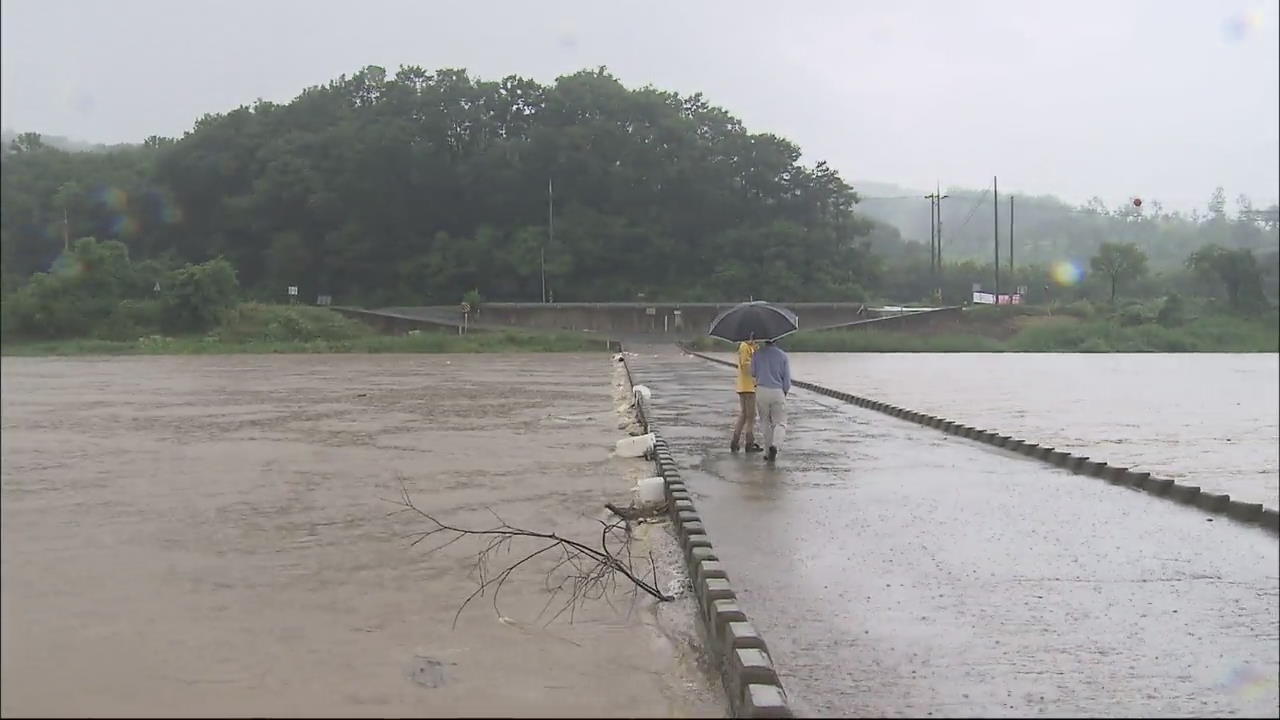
{"x": 895, "y": 570}
{"x": 1206, "y": 419}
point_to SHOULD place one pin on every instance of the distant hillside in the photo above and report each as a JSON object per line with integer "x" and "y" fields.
{"x": 63, "y": 143}
{"x": 1047, "y": 229}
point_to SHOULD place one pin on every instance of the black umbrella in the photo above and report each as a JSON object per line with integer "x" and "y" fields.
{"x": 757, "y": 320}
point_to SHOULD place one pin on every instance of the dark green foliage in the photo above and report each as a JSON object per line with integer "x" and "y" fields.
{"x": 83, "y": 289}
{"x": 94, "y": 290}
{"x": 1173, "y": 311}
{"x": 1237, "y": 270}
{"x": 197, "y": 295}
{"x": 416, "y": 187}
{"x": 1119, "y": 263}
{"x": 258, "y": 323}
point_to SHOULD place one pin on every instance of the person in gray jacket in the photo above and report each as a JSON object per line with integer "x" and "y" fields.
{"x": 772, "y": 370}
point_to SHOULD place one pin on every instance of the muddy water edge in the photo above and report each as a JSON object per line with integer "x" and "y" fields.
{"x": 212, "y": 536}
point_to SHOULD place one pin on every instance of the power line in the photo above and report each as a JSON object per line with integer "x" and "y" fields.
{"x": 981, "y": 198}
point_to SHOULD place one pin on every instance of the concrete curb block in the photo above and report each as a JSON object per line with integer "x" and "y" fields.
{"x": 1135, "y": 479}
{"x": 1115, "y": 474}
{"x": 699, "y": 550}
{"x": 750, "y": 681}
{"x": 1075, "y": 462}
{"x": 1250, "y": 513}
{"x": 1269, "y": 519}
{"x": 1185, "y": 494}
{"x": 1093, "y": 468}
{"x": 1213, "y": 502}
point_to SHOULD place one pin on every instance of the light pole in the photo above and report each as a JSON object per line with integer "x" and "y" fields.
{"x": 551, "y": 235}
{"x": 995, "y": 201}
{"x": 941, "y": 275}
{"x": 933, "y": 232}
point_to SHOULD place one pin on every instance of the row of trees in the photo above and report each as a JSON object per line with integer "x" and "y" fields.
{"x": 1242, "y": 280}
{"x": 419, "y": 186}
{"x": 95, "y": 290}
{"x": 1047, "y": 229}
{"x": 1236, "y": 271}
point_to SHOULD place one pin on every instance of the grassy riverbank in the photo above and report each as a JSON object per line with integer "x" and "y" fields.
{"x": 256, "y": 328}
{"x": 1030, "y": 330}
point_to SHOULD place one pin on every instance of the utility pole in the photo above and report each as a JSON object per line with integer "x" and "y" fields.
{"x": 66, "y": 230}
{"x": 551, "y": 235}
{"x": 995, "y": 201}
{"x": 935, "y": 235}
{"x": 938, "y": 191}
{"x": 1011, "y": 237}
{"x": 933, "y": 205}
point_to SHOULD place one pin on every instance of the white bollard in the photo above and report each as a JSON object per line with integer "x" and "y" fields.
{"x": 651, "y": 490}
{"x": 634, "y": 446}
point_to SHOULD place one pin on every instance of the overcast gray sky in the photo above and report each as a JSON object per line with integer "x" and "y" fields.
{"x": 1162, "y": 99}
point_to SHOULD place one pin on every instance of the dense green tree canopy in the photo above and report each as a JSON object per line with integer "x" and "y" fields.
{"x": 417, "y": 187}
{"x": 421, "y": 186}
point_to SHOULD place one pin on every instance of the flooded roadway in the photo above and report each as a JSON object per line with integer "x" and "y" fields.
{"x": 895, "y": 570}
{"x": 1206, "y": 419}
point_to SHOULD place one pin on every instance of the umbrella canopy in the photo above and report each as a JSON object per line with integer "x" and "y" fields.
{"x": 757, "y": 320}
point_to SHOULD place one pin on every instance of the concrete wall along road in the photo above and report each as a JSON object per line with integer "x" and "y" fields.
{"x": 394, "y": 323}
{"x": 674, "y": 319}
{"x": 621, "y": 320}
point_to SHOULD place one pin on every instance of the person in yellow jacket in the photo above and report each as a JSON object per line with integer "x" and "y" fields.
{"x": 746, "y": 399}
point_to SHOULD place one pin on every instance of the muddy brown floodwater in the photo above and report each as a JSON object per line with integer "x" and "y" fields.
{"x": 210, "y": 536}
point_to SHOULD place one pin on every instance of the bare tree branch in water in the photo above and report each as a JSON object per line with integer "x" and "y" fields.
{"x": 581, "y": 573}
